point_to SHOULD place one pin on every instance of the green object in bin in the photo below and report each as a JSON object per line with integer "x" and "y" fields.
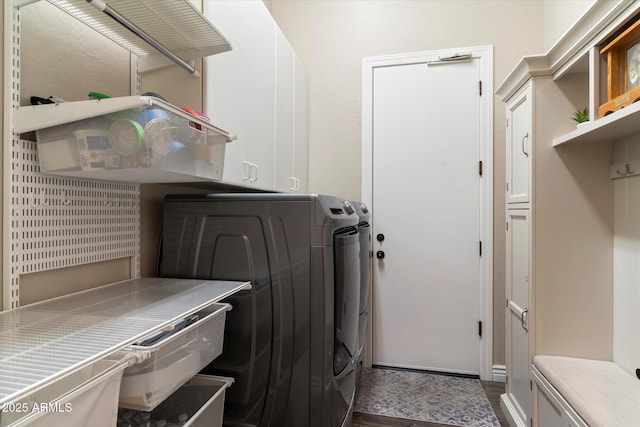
{"x": 126, "y": 137}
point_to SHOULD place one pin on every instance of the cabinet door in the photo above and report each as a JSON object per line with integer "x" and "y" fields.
{"x": 240, "y": 90}
{"x": 285, "y": 180}
{"x": 300, "y": 126}
{"x": 518, "y": 387}
{"x": 550, "y": 413}
{"x": 291, "y": 119}
{"x": 519, "y": 147}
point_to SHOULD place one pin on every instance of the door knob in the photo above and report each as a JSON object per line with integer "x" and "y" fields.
{"x": 380, "y": 237}
{"x": 380, "y": 254}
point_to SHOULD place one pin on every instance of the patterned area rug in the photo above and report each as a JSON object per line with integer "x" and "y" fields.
{"x": 425, "y": 396}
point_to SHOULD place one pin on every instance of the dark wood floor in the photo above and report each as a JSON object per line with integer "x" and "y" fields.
{"x": 492, "y": 389}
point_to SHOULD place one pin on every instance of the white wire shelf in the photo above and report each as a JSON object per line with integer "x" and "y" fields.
{"x": 43, "y": 342}
{"x": 34, "y": 117}
{"x": 176, "y": 24}
{"x": 168, "y": 144}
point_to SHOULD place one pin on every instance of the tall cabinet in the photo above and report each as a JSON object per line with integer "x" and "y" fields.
{"x": 558, "y": 233}
{"x": 518, "y": 322}
{"x": 560, "y": 223}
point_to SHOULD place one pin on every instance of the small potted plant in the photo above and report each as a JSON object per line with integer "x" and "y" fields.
{"x": 581, "y": 116}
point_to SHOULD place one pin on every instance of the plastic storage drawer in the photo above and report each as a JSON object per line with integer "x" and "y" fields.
{"x": 198, "y": 403}
{"x": 154, "y": 143}
{"x": 174, "y": 360}
{"x": 88, "y": 396}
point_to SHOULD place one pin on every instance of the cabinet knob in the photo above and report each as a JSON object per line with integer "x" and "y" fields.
{"x": 380, "y": 254}
{"x": 380, "y": 237}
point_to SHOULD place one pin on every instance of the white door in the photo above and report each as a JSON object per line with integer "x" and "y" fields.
{"x": 427, "y": 200}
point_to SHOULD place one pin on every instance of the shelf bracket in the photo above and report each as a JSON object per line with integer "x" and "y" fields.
{"x": 103, "y": 7}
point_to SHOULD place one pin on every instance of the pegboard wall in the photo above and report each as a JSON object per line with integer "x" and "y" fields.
{"x": 60, "y": 222}
{"x": 57, "y": 222}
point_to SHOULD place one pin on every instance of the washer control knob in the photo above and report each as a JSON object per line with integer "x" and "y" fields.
{"x": 348, "y": 207}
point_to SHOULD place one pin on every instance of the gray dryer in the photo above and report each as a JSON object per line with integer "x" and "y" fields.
{"x": 291, "y": 341}
{"x": 364, "y": 232}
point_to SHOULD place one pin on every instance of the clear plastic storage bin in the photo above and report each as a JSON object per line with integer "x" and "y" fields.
{"x": 174, "y": 360}
{"x": 155, "y": 142}
{"x": 88, "y": 396}
{"x": 198, "y": 403}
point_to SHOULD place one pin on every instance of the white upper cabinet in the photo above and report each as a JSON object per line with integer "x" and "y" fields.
{"x": 251, "y": 89}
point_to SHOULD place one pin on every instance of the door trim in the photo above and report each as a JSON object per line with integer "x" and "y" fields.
{"x": 485, "y": 54}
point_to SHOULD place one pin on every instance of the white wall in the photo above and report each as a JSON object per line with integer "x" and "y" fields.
{"x": 60, "y": 56}
{"x": 559, "y": 16}
{"x": 332, "y": 37}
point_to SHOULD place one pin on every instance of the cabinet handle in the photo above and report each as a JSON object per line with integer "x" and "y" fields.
{"x": 295, "y": 184}
{"x": 246, "y": 170}
{"x": 526, "y": 136}
{"x": 254, "y": 177}
{"x": 522, "y": 319}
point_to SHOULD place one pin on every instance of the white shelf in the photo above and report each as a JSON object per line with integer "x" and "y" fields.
{"x": 43, "y": 342}
{"x": 175, "y": 24}
{"x": 616, "y": 125}
{"x": 35, "y": 117}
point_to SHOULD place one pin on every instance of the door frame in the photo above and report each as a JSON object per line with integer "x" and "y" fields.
{"x": 485, "y": 54}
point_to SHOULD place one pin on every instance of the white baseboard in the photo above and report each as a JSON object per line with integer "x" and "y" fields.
{"x": 510, "y": 412}
{"x": 499, "y": 373}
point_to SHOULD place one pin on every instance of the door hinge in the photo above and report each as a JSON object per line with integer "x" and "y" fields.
{"x": 507, "y": 226}
{"x": 507, "y": 303}
{"x": 480, "y": 167}
{"x": 531, "y": 422}
{"x": 480, "y": 87}
{"x": 480, "y": 328}
{"x": 507, "y": 187}
{"x": 531, "y": 385}
{"x": 480, "y": 247}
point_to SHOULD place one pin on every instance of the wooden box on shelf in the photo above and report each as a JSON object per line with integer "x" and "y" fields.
{"x": 623, "y": 69}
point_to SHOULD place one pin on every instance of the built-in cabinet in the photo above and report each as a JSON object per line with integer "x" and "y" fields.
{"x": 559, "y": 241}
{"x": 258, "y": 90}
{"x": 519, "y": 311}
{"x": 560, "y": 223}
